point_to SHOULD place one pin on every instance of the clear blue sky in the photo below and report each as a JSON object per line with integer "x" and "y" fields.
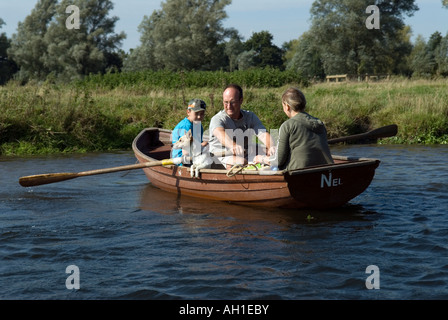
{"x": 284, "y": 19}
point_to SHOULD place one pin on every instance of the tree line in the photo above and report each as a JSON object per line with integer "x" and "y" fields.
{"x": 189, "y": 35}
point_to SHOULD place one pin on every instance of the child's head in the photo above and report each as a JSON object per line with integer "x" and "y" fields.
{"x": 295, "y": 99}
{"x": 196, "y": 110}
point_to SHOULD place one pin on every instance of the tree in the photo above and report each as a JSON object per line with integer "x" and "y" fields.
{"x": 442, "y": 54}
{"x": 246, "y": 60}
{"x": 7, "y": 66}
{"x": 430, "y": 58}
{"x": 233, "y": 48}
{"x": 290, "y": 48}
{"x": 90, "y": 49}
{"x": 266, "y": 53}
{"x": 28, "y": 47}
{"x": 431, "y": 49}
{"x": 399, "y": 51}
{"x": 419, "y": 61}
{"x": 347, "y": 46}
{"x": 45, "y": 45}
{"x": 441, "y": 57}
{"x": 182, "y": 35}
{"x": 306, "y": 58}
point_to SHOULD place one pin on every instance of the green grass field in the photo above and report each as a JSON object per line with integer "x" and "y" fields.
{"x": 100, "y": 115}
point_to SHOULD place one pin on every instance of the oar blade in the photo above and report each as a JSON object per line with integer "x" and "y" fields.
{"x": 37, "y": 180}
{"x": 383, "y": 132}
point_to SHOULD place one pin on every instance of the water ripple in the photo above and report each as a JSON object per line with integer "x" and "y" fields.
{"x": 132, "y": 241}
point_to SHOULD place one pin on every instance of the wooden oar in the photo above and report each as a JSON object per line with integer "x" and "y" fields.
{"x": 46, "y": 178}
{"x": 383, "y": 132}
{"x": 39, "y": 179}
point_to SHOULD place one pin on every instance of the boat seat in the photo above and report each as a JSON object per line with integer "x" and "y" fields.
{"x": 160, "y": 152}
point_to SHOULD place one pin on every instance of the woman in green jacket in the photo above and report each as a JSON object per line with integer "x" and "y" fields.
{"x": 302, "y": 138}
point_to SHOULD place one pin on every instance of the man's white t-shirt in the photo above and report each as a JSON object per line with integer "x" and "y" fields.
{"x": 248, "y": 121}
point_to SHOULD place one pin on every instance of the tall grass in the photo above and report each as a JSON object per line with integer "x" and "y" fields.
{"x": 98, "y": 115}
{"x": 419, "y": 107}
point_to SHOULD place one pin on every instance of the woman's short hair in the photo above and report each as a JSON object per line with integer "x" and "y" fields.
{"x": 295, "y": 99}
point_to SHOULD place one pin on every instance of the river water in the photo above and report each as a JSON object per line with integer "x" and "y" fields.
{"x": 118, "y": 237}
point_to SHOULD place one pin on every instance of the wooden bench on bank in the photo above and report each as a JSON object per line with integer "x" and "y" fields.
{"x": 337, "y": 77}
{"x": 367, "y": 77}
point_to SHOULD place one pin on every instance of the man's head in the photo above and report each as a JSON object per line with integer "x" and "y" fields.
{"x": 232, "y": 99}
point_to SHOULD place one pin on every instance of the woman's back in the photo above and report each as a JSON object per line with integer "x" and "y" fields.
{"x": 303, "y": 143}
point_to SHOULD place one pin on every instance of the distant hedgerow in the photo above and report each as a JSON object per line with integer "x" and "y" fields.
{"x": 256, "y": 78}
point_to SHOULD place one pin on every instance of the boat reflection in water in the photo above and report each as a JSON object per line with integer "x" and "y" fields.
{"x": 156, "y": 200}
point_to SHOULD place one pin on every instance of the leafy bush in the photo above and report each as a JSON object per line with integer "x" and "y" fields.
{"x": 259, "y": 78}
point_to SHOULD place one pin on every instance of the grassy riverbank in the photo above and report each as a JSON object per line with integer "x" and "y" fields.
{"x": 52, "y": 118}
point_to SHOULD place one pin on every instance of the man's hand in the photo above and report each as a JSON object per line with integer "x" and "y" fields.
{"x": 238, "y": 150}
{"x": 271, "y": 151}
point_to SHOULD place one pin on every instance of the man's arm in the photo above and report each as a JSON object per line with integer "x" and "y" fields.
{"x": 266, "y": 138}
{"x": 263, "y": 135}
{"x": 227, "y": 142}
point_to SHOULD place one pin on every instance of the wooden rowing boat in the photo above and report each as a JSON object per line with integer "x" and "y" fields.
{"x": 325, "y": 186}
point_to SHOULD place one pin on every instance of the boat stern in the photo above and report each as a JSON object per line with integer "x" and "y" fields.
{"x": 331, "y": 186}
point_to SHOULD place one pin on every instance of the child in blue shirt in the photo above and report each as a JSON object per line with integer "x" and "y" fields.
{"x": 195, "y": 113}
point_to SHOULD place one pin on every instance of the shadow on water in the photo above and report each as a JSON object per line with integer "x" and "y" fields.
{"x": 157, "y": 200}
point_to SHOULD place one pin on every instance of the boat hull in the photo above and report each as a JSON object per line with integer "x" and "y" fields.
{"x": 325, "y": 186}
